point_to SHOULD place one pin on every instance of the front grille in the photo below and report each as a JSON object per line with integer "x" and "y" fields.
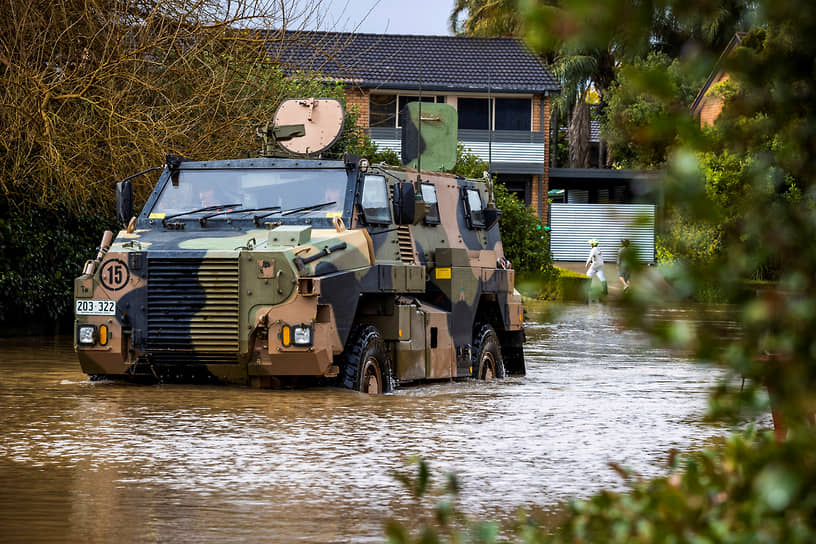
{"x": 192, "y": 310}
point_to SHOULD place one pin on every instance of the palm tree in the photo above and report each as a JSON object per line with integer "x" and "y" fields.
{"x": 578, "y": 73}
{"x": 485, "y": 18}
{"x": 593, "y": 65}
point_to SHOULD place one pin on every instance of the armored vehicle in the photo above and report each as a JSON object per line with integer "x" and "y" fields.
{"x": 265, "y": 271}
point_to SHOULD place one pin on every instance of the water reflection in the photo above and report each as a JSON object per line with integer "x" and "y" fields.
{"x": 104, "y": 461}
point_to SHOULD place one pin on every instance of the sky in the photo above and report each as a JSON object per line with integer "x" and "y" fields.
{"x": 428, "y": 17}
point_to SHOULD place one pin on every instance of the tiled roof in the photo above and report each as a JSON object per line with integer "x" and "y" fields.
{"x": 594, "y": 132}
{"x": 402, "y": 61}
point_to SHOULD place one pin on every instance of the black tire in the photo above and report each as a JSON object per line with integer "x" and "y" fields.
{"x": 364, "y": 364}
{"x": 487, "y": 362}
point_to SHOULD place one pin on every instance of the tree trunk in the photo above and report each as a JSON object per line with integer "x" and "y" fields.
{"x": 579, "y": 135}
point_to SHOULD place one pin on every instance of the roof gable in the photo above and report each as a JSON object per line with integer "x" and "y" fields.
{"x": 716, "y": 74}
{"x": 437, "y": 63}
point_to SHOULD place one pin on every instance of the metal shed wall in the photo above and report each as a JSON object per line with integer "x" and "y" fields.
{"x": 571, "y": 225}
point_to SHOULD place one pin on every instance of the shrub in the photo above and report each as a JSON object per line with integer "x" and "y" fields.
{"x": 43, "y": 250}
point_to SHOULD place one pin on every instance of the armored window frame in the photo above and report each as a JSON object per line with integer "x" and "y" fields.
{"x": 474, "y": 208}
{"x": 429, "y": 196}
{"x": 375, "y": 201}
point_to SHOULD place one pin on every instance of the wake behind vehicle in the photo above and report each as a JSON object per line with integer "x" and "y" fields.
{"x": 266, "y": 270}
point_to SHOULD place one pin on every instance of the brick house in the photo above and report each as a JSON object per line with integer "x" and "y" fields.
{"x": 707, "y": 105}
{"x": 494, "y": 83}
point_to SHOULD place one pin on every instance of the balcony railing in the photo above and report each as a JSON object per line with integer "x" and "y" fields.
{"x": 515, "y": 150}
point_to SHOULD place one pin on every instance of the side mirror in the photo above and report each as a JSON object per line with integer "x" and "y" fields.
{"x": 404, "y": 203}
{"x": 124, "y": 201}
{"x": 491, "y": 216}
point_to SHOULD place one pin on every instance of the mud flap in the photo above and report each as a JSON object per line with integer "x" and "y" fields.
{"x": 512, "y": 348}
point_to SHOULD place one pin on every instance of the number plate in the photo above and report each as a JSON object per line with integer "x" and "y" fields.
{"x": 95, "y": 307}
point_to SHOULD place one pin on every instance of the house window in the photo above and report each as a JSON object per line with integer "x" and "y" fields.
{"x": 518, "y": 185}
{"x": 509, "y": 113}
{"x": 474, "y": 113}
{"x": 513, "y": 114}
{"x": 385, "y": 110}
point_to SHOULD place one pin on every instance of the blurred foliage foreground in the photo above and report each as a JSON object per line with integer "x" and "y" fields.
{"x": 740, "y": 205}
{"x": 737, "y": 492}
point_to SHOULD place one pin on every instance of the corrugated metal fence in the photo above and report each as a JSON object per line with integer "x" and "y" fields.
{"x": 571, "y": 225}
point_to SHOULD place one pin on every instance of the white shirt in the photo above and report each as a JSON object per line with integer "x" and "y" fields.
{"x": 596, "y": 258}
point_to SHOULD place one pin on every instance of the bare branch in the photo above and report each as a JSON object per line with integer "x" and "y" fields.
{"x": 93, "y": 90}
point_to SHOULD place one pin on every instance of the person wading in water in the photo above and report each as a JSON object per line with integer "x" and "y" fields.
{"x": 595, "y": 264}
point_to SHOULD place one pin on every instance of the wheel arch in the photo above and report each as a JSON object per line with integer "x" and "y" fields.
{"x": 489, "y": 312}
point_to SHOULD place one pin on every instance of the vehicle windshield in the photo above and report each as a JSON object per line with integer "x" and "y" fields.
{"x": 255, "y": 189}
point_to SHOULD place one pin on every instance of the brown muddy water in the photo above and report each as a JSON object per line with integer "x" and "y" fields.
{"x": 107, "y": 462}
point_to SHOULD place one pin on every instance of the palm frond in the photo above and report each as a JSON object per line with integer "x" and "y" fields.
{"x": 574, "y": 68}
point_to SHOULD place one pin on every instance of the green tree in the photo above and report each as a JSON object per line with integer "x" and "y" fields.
{"x": 485, "y": 18}
{"x": 642, "y": 107}
{"x": 589, "y": 41}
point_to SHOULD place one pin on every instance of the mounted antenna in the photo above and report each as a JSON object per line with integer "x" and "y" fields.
{"x": 489, "y": 124}
{"x": 303, "y": 127}
{"x": 419, "y": 127}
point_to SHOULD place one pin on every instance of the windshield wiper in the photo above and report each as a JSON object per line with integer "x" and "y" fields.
{"x": 307, "y": 208}
{"x": 199, "y": 210}
{"x": 257, "y": 218}
{"x": 204, "y": 219}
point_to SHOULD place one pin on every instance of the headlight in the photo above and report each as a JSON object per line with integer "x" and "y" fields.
{"x": 86, "y": 335}
{"x": 303, "y": 335}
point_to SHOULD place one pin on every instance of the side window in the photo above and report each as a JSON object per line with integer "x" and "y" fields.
{"x": 474, "y": 208}
{"x": 429, "y": 196}
{"x": 376, "y": 208}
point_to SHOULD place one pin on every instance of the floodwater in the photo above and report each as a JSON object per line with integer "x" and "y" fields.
{"x": 105, "y": 462}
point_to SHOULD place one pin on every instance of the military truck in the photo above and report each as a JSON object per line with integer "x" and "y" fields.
{"x": 268, "y": 271}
